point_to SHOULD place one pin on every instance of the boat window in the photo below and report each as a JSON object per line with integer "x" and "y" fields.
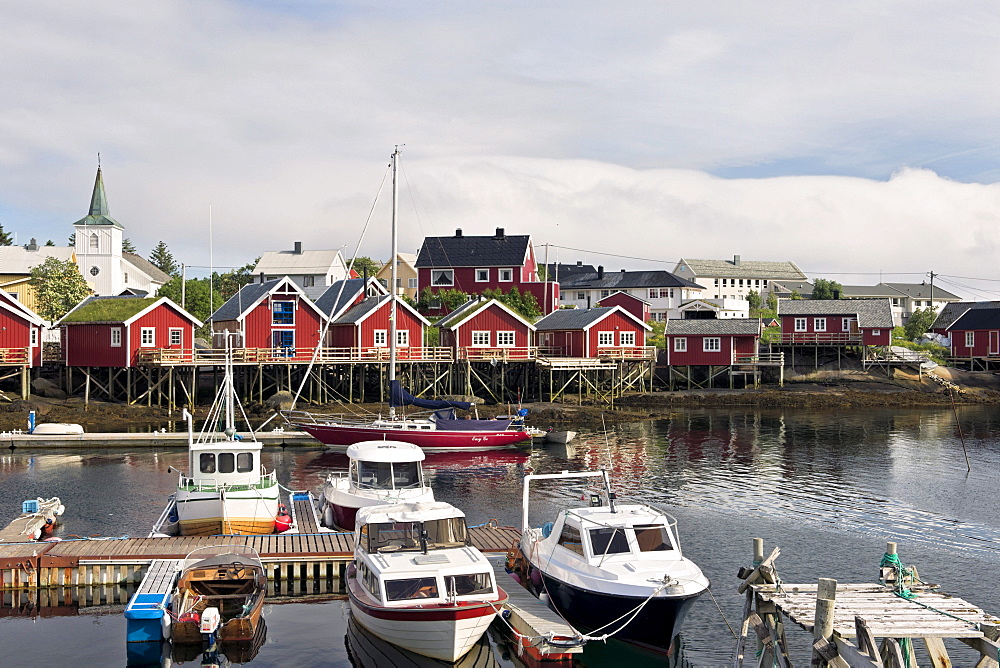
{"x": 403, "y": 590}
{"x": 244, "y": 462}
{"x": 227, "y": 462}
{"x": 207, "y": 462}
{"x": 406, "y": 475}
{"x": 652, "y": 538}
{"x": 405, "y": 536}
{"x": 609, "y": 540}
{"x": 375, "y": 475}
{"x": 446, "y": 533}
{"x": 570, "y": 539}
{"x": 468, "y": 584}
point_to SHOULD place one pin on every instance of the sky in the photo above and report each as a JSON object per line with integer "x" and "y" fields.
{"x": 856, "y": 139}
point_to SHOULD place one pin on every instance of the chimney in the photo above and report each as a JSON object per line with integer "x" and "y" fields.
{"x": 499, "y": 235}
{"x": 600, "y": 271}
{"x": 579, "y": 263}
{"x": 458, "y": 232}
{"x": 623, "y": 271}
{"x": 298, "y": 248}
{"x": 736, "y": 260}
{"x": 261, "y": 277}
{"x": 32, "y": 245}
{"x": 836, "y": 294}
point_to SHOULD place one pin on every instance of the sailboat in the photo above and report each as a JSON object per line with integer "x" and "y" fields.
{"x": 438, "y": 430}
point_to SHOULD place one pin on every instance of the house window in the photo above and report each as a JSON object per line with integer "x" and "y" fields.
{"x": 308, "y": 281}
{"x": 626, "y": 338}
{"x": 765, "y": 283}
{"x": 711, "y": 344}
{"x": 34, "y": 338}
{"x": 605, "y": 338}
{"x": 506, "y": 275}
{"x": 970, "y": 339}
{"x": 800, "y": 324}
{"x": 147, "y": 337}
{"x": 480, "y": 339}
{"x": 670, "y": 293}
{"x": 680, "y": 344}
{"x": 741, "y": 282}
{"x": 399, "y": 283}
{"x": 411, "y": 283}
{"x": 381, "y": 338}
{"x": 819, "y": 324}
{"x": 482, "y": 275}
{"x": 876, "y": 332}
{"x": 402, "y": 337}
{"x": 94, "y": 241}
{"x": 605, "y": 293}
{"x": 14, "y": 295}
{"x": 384, "y": 282}
{"x": 442, "y": 277}
{"x": 580, "y": 296}
{"x": 895, "y": 301}
{"x": 653, "y": 293}
{"x": 283, "y": 313}
{"x": 116, "y": 337}
{"x": 176, "y": 336}
{"x": 846, "y": 325}
{"x": 716, "y": 282}
{"x": 505, "y": 339}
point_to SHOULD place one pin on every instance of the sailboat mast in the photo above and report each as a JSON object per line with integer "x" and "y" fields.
{"x": 392, "y": 280}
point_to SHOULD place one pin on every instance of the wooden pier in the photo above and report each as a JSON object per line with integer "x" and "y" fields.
{"x": 847, "y": 620}
{"x": 155, "y": 439}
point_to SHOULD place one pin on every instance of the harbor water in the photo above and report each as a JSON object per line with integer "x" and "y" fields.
{"x": 827, "y": 487}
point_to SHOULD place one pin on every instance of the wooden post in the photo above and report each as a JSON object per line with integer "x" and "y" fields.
{"x": 826, "y": 594}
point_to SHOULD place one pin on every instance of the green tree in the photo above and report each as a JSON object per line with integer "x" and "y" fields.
{"x": 195, "y": 298}
{"x": 127, "y": 246}
{"x": 795, "y": 294}
{"x": 772, "y": 302}
{"x": 656, "y": 336}
{"x": 363, "y": 266}
{"x": 71, "y": 239}
{"x": 49, "y": 243}
{"x": 59, "y": 286}
{"x": 920, "y": 321}
{"x": 753, "y": 298}
{"x": 162, "y": 258}
{"x": 826, "y": 289}
{"x": 524, "y": 303}
{"x": 5, "y": 237}
{"x": 229, "y": 283}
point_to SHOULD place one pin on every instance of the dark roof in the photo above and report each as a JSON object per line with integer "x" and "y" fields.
{"x": 872, "y": 313}
{"x": 242, "y": 300}
{"x": 499, "y": 250}
{"x": 804, "y": 288}
{"x": 977, "y": 318}
{"x": 329, "y": 303}
{"x": 952, "y": 312}
{"x": 573, "y": 318}
{"x": 621, "y": 280}
{"x": 462, "y": 312}
{"x": 358, "y": 312}
{"x": 567, "y": 271}
{"x": 912, "y": 290}
{"x": 730, "y": 326}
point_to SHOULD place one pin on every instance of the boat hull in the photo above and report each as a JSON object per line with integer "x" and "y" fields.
{"x": 433, "y": 440}
{"x": 444, "y": 632}
{"x": 654, "y": 627}
{"x": 340, "y": 502}
{"x": 203, "y": 513}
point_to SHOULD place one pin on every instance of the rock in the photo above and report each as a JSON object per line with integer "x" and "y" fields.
{"x": 280, "y": 401}
{"x": 46, "y": 388}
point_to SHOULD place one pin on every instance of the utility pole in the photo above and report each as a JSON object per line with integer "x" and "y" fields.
{"x": 932, "y": 274}
{"x": 183, "y": 286}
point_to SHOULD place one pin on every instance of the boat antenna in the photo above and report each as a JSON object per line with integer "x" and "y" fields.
{"x": 607, "y": 478}
{"x": 392, "y": 280}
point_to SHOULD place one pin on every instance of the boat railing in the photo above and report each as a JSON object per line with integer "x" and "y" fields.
{"x": 209, "y": 551}
{"x": 260, "y": 481}
{"x": 306, "y": 417}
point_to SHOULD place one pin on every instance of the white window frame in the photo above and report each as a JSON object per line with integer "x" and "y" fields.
{"x": 505, "y": 275}
{"x": 819, "y": 324}
{"x": 116, "y": 337}
{"x": 711, "y": 344}
{"x": 801, "y": 324}
{"x": 448, "y": 274}
{"x": 179, "y": 331}
{"x": 680, "y": 344}
{"x": 33, "y": 337}
{"x": 654, "y": 293}
{"x": 147, "y": 341}
{"x": 506, "y": 339}
{"x": 402, "y": 338}
{"x": 580, "y": 296}
{"x": 380, "y": 338}
{"x": 846, "y": 326}
{"x": 482, "y": 275}
{"x": 480, "y": 338}
{"x": 970, "y": 339}
{"x": 626, "y": 339}
{"x": 411, "y": 283}
{"x": 606, "y": 338}
{"x": 876, "y": 332}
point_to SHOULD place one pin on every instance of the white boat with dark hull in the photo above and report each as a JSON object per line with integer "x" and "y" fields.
{"x": 379, "y": 473}
{"x": 418, "y": 583}
{"x": 611, "y": 569}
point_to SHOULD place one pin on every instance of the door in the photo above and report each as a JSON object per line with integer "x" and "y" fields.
{"x": 283, "y": 343}
{"x": 994, "y": 343}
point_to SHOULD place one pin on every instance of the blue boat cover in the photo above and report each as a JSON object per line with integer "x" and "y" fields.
{"x": 400, "y": 397}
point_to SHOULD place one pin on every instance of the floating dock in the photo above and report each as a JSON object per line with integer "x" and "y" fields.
{"x": 156, "y": 439}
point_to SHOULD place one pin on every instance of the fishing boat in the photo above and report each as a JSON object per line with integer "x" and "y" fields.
{"x": 226, "y": 489}
{"x": 418, "y": 583}
{"x": 379, "y": 473}
{"x": 610, "y": 569}
{"x": 369, "y": 651}
{"x": 219, "y": 596}
{"x": 438, "y": 429}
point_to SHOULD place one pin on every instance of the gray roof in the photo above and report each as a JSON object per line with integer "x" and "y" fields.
{"x": 870, "y": 312}
{"x": 19, "y": 260}
{"x": 953, "y": 311}
{"x": 499, "y": 250}
{"x": 459, "y": 314}
{"x": 247, "y": 296}
{"x": 621, "y": 280}
{"x": 745, "y": 269}
{"x": 99, "y": 213}
{"x": 804, "y": 288}
{"x": 155, "y": 274}
{"x": 567, "y": 271}
{"x": 913, "y": 290}
{"x": 329, "y": 303}
{"x": 731, "y": 326}
{"x": 307, "y": 262}
{"x": 856, "y": 291}
{"x": 978, "y": 318}
{"x": 359, "y": 311}
{"x": 573, "y": 318}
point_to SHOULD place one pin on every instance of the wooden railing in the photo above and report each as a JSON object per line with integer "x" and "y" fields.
{"x": 15, "y": 355}
{"x": 627, "y": 352}
{"x": 515, "y": 354}
{"x": 763, "y": 359}
{"x": 284, "y": 355}
{"x": 821, "y": 338}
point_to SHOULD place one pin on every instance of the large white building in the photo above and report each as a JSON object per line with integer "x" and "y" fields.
{"x": 734, "y": 279}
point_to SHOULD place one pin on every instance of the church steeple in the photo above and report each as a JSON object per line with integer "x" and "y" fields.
{"x": 99, "y": 213}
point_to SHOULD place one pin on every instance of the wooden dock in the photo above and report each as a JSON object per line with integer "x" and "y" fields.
{"x": 156, "y": 439}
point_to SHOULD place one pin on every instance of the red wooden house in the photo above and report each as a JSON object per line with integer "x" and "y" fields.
{"x": 976, "y": 334}
{"x": 474, "y": 264}
{"x": 486, "y": 329}
{"x": 343, "y": 295}
{"x": 116, "y": 331}
{"x": 20, "y": 333}
{"x": 835, "y": 322}
{"x": 274, "y": 315}
{"x": 706, "y": 342}
{"x": 640, "y": 308}
{"x": 608, "y": 331}
{"x": 365, "y": 327}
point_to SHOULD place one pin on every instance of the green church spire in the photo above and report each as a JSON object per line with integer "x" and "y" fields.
{"x": 99, "y": 213}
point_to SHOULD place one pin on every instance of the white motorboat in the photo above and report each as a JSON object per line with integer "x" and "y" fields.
{"x": 380, "y": 473}
{"x": 418, "y": 583}
{"x": 610, "y": 569}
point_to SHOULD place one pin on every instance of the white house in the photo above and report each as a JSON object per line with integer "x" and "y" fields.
{"x": 663, "y": 291}
{"x": 734, "y": 279}
{"x": 904, "y": 297}
{"x": 312, "y": 270}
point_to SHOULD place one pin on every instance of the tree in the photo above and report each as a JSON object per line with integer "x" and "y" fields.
{"x": 772, "y": 303}
{"x": 163, "y": 259}
{"x": 49, "y": 243}
{"x": 5, "y": 238}
{"x": 127, "y": 246}
{"x": 196, "y": 301}
{"x": 59, "y": 286}
{"x": 524, "y": 303}
{"x": 753, "y": 298}
{"x": 795, "y": 294}
{"x": 656, "y": 337}
{"x": 825, "y": 289}
{"x": 449, "y": 299}
{"x": 363, "y": 266}
{"x": 71, "y": 240}
{"x": 229, "y": 283}
{"x": 918, "y": 324}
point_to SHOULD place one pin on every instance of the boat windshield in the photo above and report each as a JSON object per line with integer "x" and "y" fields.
{"x": 388, "y": 475}
{"x": 652, "y": 538}
{"x": 609, "y": 540}
{"x": 405, "y": 536}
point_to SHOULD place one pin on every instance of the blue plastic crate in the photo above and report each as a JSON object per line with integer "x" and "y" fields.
{"x": 30, "y": 506}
